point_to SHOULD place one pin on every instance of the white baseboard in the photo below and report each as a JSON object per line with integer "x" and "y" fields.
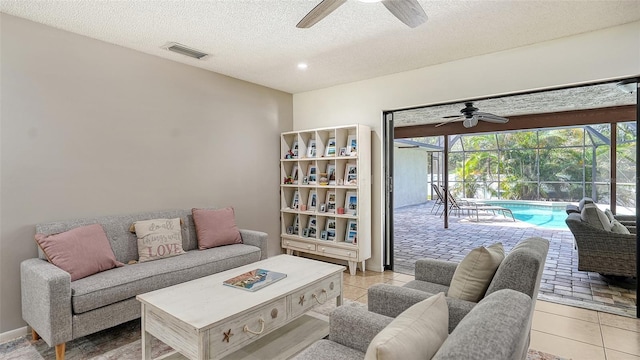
{"x": 14, "y": 334}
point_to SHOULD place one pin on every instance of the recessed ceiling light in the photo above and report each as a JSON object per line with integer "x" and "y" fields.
{"x": 303, "y": 66}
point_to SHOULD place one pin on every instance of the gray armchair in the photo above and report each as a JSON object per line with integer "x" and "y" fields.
{"x": 496, "y": 328}
{"x": 521, "y": 270}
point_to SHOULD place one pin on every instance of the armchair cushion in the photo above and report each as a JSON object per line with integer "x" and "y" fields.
{"x": 392, "y": 300}
{"x": 474, "y": 273}
{"x": 355, "y": 327}
{"x": 417, "y": 333}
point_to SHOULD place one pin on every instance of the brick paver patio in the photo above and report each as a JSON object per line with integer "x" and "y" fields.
{"x": 420, "y": 234}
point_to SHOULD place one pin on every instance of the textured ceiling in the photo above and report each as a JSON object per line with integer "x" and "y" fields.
{"x": 577, "y": 98}
{"x": 257, "y": 41}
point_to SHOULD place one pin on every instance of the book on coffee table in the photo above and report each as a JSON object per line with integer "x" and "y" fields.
{"x": 255, "y": 279}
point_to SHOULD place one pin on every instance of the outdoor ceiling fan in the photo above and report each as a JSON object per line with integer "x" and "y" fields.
{"x": 470, "y": 117}
{"x": 408, "y": 11}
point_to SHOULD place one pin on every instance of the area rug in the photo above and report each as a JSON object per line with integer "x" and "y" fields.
{"x": 123, "y": 343}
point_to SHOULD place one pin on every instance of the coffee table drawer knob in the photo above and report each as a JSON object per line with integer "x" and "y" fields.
{"x": 274, "y": 313}
{"x": 246, "y": 328}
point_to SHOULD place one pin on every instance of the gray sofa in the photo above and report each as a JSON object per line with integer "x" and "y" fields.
{"x": 497, "y": 328}
{"x": 59, "y": 310}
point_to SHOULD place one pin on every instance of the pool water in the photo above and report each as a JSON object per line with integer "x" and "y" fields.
{"x": 545, "y": 215}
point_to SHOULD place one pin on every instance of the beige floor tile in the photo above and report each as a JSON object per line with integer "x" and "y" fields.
{"x": 617, "y": 355}
{"x": 564, "y": 347}
{"x": 621, "y": 340}
{"x": 395, "y": 282}
{"x": 568, "y": 311}
{"x": 621, "y": 322}
{"x": 362, "y": 299}
{"x": 363, "y": 281}
{"x": 353, "y": 292}
{"x": 579, "y": 330}
{"x": 403, "y": 277}
{"x": 387, "y": 274}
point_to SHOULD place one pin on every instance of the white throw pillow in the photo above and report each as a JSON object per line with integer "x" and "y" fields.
{"x": 158, "y": 238}
{"x": 618, "y": 228}
{"x": 609, "y": 214}
{"x": 417, "y": 333}
{"x": 475, "y": 272}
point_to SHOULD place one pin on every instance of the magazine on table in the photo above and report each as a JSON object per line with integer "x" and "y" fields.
{"x": 255, "y": 279}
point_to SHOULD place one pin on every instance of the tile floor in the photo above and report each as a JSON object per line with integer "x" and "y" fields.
{"x": 565, "y": 331}
{"x": 420, "y": 234}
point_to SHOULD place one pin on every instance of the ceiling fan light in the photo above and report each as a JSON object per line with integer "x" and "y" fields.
{"x": 470, "y": 122}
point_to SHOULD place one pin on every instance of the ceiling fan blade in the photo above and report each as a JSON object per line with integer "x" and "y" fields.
{"x": 324, "y": 8}
{"x": 491, "y": 118}
{"x": 450, "y": 116}
{"x": 451, "y": 119}
{"x": 408, "y": 11}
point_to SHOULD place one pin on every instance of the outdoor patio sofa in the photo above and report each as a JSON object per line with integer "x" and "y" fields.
{"x": 59, "y": 310}
{"x": 605, "y": 244}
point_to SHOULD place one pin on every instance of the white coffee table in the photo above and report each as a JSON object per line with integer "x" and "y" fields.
{"x": 203, "y": 319}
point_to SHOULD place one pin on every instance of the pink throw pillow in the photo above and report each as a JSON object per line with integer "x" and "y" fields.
{"x": 216, "y": 227}
{"x": 81, "y": 252}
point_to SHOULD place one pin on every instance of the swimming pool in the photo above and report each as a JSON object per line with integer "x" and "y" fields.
{"x": 549, "y": 215}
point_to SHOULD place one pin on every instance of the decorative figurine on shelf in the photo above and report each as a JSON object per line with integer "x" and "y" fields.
{"x": 323, "y": 179}
{"x": 288, "y": 180}
{"x": 290, "y": 155}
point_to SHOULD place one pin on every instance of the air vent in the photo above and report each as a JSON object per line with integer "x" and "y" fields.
{"x": 185, "y": 50}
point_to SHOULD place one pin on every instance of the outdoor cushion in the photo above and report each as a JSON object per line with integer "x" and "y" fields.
{"x": 572, "y": 209}
{"x": 595, "y": 217}
{"x": 618, "y": 228}
{"x": 609, "y": 214}
{"x": 583, "y": 202}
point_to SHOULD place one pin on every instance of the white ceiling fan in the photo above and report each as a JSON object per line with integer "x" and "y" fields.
{"x": 470, "y": 117}
{"x": 408, "y": 11}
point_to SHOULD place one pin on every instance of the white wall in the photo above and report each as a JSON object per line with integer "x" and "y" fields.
{"x": 410, "y": 176}
{"x": 89, "y": 128}
{"x": 609, "y": 53}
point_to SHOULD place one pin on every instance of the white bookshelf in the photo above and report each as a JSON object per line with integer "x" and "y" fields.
{"x": 345, "y": 244}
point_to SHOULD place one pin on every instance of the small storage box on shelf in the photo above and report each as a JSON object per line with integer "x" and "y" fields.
{"x": 325, "y": 193}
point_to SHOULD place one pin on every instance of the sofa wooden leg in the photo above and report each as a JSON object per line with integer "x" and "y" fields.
{"x": 34, "y": 335}
{"x": 60, "y": 351}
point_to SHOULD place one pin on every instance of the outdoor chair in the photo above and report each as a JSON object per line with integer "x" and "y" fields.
{"x": 439, "y": 199}
{"x": 459, "y": 206}
{"x": 602, "y": 248}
